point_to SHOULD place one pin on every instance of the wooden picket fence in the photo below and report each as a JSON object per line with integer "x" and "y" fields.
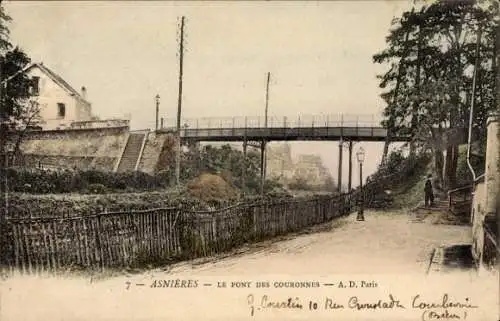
{"x": 141, "y": 238}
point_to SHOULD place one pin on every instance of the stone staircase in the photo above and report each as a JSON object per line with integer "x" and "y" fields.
{"x": 442, "y": 212}
{"x": 132, "y": 152}
{"x": 421, "y": 212}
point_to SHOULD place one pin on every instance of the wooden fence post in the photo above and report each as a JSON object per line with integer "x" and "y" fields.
{"x": 342, "y": 208}
{"x": 5, "y": 240}
{"x": 255, "y": 228}
{"x": 98, "y": 241}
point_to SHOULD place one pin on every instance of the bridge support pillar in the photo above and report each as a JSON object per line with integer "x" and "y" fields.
{"x": 244, "y": 170}
{"x": 262, "y": 166}
{"x": 339, "y": 176}
{"x": 350, "y": 167}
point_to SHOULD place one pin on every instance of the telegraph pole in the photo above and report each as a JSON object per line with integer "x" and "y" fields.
{"x": 157, "y": 98}
{"x": 263, "y": 155}
{"x": 267, "y": 96}
{"x": 179, "y": 106}
{"x": 3, "y": 176}
{"x": 3, "y": 150}
{"x": 339, "y": 178}
{"x": 349, "y": 186}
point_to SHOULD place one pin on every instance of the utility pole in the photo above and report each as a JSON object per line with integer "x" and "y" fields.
{"x": 179, "y": 106}
{"x": 3, "y": 150}
{"x": 471, "y": 114}
{"x": 3, "y": 176}
{"x": 339, "y": 178}
{"x": 3, "y": 118}
{"x": 349, "y": 186}
{"x": 157, "y": 110}
{"x": 267, "y": 96}
{"x": 263, "y": 160}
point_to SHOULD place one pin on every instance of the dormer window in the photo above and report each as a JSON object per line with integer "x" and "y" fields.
{"x": 35, "y": 86}
{"x": 61, "y": 110}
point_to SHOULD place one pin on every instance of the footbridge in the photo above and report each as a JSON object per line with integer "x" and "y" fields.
{"x": 259, "y": 130}
{"x": 299, "y": 128}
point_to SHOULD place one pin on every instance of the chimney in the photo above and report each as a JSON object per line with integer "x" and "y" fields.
{"x": 84, "y": 92}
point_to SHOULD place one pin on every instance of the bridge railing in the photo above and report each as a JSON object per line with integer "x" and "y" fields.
{"x": 300, "y": 121}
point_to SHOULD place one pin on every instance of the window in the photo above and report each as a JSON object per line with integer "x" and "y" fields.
{"x": 61, "y": 110}
{"x": 35, "y": 86}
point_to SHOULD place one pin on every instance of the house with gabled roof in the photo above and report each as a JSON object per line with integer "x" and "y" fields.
{"x": 60, "y": 104}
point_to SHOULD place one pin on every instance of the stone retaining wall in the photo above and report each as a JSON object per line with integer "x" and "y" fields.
{"x": 83, "y": 148}
{"x": 155, "y": 144}
{"x": 486, "y": 194}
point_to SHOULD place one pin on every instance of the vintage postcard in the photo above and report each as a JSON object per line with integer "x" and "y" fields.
{"x": 249, "y": 160}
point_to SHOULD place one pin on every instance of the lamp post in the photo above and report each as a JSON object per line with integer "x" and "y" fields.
{"x": 360, "y": 154}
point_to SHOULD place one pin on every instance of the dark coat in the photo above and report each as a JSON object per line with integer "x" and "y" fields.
{"x": 428, "y": 186}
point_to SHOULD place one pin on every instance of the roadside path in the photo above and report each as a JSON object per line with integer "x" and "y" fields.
{"x": 386, "y": 242}
{"x": 387, "y": 249}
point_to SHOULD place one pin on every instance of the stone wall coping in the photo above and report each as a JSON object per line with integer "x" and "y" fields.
{"x": 74, "y": 130}
{"x": 492, "y": 118}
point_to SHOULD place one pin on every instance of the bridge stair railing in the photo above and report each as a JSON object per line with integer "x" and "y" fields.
{"x": 460, "y": 200}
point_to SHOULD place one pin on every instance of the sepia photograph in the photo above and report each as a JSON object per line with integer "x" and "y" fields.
{"x": 250, "y": 160}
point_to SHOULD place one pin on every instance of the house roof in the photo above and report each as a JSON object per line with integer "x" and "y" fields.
{"x": 55, "y": 77}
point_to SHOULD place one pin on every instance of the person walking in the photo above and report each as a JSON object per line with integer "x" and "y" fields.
{"x": 429, "y": 193}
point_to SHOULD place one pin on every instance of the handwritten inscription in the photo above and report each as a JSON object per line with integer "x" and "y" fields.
{"x": 434, "y": 310}
{"x": 442, "y": 309}
{"x": 391, "y": 303}
{"x": 330, "y": 304}
{"x": 266, "y": 302}
{"x": 445, "y": 302}
{"x": 446, "y": 315}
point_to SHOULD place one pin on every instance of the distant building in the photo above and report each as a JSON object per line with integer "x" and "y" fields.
{"x": 307, "y": 168}
{"x": 60, "y": 104}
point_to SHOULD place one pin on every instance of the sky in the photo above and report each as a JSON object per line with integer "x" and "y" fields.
{"x": 319, "y": 54}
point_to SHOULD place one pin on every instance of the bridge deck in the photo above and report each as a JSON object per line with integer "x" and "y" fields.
{"x": 303, "y": 127}
{"x": 373, "y": 134}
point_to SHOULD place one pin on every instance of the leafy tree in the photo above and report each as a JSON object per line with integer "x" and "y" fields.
{"x": 12, "y": 94}
{"x": 432, "y": 52}
{"x": 5, "y": 44}
{"x": 16, "y": 111}
{"x": 22, "y": 122}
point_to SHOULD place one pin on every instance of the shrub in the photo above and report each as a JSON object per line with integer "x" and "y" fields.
{"x": 41, "y": 181}
{"x": 97, "y": 189}
{"x": 301, "y": 184}
{"x": 464, "y": 176}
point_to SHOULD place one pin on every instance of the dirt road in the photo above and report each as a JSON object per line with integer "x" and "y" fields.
{"x": 387, "y": 251}
{"x": 383, "y": 243}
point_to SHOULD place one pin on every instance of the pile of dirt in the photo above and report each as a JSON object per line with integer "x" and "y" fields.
{"x": 211, "y": 187}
